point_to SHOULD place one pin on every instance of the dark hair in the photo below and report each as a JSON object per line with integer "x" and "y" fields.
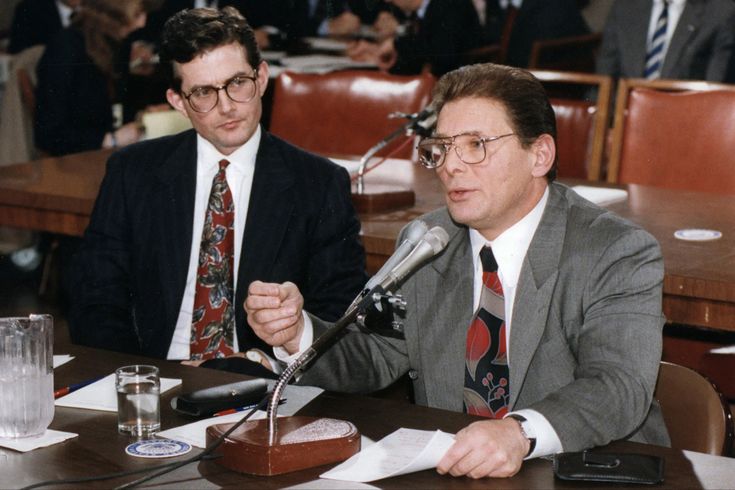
{"x": 522, "y": 95}
{"x": 192, "y": 32}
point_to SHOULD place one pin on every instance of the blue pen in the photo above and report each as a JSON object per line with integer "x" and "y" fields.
{"x": 242, "y": 409}
{"x": 68, "y": 389}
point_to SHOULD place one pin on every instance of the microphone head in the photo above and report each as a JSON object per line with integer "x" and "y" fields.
{"x": 438, "y": 238}
{"x": 415, "y": 231}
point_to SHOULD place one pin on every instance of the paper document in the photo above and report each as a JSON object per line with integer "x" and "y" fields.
{"x": 48, "y": 438}
{"x": 601, "y": 195}
{"x": 404, "y": 451}
{"x": 195, "y": 433}
{"x": 102, "y": 395}
{"x": 62, "y": 359}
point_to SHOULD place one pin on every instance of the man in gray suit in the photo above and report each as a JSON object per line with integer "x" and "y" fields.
{"x": 699, "y": 40}
{"x": 582, "y": 292}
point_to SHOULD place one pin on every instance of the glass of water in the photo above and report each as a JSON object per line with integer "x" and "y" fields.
{"x": 138, "y": 400}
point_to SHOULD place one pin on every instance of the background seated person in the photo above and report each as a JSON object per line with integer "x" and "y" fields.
{"x": 183, "y": 224}
{"x": 557, "y": 345}
{"x": 79, "y": 80}
{"x": 38, "y": 21}
{"x": 436, "y": 33}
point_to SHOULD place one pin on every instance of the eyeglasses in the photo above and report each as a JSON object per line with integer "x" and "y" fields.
{"x": 240, "y": 88}
{"x": 470, "y": 148}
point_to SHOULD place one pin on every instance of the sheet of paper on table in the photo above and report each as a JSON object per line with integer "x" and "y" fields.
{"x": 601, "y": 195}
{"x": 404, "y": 451}
{"x": 102, "y": 394}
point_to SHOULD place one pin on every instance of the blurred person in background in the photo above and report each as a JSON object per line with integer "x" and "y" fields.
{"x": 37, "y": 21}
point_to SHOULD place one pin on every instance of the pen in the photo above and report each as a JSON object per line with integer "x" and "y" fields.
{"x": 68, "y": 389}
{"x": 241, "y": 409}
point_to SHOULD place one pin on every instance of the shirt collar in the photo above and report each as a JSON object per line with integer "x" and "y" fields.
{"x": 208, "y": 156}
{"x": 422, "y": 9}
{"x": 510, "y": 247}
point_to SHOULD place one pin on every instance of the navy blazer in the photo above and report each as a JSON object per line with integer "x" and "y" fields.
{"x": 130, "y": 274}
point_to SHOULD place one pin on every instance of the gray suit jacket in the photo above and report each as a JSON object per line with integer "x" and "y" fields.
{"x": 700, "y": 48}
{"x": 585, "y": 340}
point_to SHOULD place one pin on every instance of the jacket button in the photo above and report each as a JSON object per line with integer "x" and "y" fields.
{"x": 413, "y": 374}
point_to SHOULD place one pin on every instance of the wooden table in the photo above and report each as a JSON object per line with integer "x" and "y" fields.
{"x": 99, "y": 449}
{"x": 57, "y": 195}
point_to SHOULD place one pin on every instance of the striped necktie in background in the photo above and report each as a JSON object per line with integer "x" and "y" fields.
{"x": 655, "y": 55}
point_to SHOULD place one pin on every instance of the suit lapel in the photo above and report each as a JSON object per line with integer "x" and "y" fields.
{"x": 689, "y": 22}
{"x": 637, "y": 33}
{"x": 448, "y": 307}
{"x": 535, "y": 289}
{"x": 268, "y": 213}
{"x": 175, "y": 211}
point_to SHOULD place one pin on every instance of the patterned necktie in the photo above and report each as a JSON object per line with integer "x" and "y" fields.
{"x": 655, "y": 55}
{"x": 213, "y": 320}
{"x": 487, "y": 380}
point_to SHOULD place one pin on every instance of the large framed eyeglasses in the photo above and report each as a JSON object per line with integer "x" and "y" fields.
{"x": 470, "y": 148}
{"x": 240, "y": 88}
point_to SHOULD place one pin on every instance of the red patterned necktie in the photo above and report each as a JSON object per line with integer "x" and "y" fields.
{"x": 487, "y": 380}
{"x": 213, "y": 320}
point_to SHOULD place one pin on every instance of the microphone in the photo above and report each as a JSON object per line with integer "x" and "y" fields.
{"x": 414, "y": 233}
{"x": 433, "y": 242}
{"x": 419, "y": 123}
{"x": 259, "y": 449}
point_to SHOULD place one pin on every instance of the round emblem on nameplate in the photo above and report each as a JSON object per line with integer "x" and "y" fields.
{"x": 157, "y": 448}
{"x": 697, "y": 234}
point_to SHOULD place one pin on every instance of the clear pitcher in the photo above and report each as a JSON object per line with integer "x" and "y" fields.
{"x": 26, "y": 375}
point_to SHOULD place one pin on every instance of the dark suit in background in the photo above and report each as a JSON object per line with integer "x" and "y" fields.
{"x": 34, "y": 22}
{"x": 73, "y": 98}
{"x": 132, "y": 269}
{"x": 700, "y": 48}
{"x": 542, "y": 19}
{"x": 448, "y": 29}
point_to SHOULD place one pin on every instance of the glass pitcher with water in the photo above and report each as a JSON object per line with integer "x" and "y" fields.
{"x": 26, "y": 375}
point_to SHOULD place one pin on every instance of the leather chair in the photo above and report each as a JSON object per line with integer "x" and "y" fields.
{"x": 674, "y": 134}
{"x": 697, "y": 417}
{"x": 581, "y": 120}
{"x": 346, "y": 112}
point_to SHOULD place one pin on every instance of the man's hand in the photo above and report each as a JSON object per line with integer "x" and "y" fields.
{"x": 275, "y": 313}
{"x": 493, "y": 448}
{"x": 344, "y": 24}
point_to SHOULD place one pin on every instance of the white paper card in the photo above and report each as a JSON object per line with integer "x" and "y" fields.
{"x": 601, "y": 195}
{"x": 404, "y": 451}
{"x": 195, "y": 433}
{"x": 62, "y": 359}
{"x": 102, "y": 394}
{"x": 48, "y": 438}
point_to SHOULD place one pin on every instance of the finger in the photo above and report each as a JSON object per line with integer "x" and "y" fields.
{"x": 456, "y": 452}
{"x": 269, "y": 318}
{"x": 261, "y": 288}
{"x": 255, "y": 303}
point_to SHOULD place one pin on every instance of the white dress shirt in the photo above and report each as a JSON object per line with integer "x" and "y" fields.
{"x": 240, "y": 181}
{"x": 676, "y": 7}
{"x": 65, "y": 13}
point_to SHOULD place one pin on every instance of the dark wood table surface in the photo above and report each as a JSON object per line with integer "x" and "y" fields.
{"x": 57, "y": 195}
{"x": 99, "y": 449}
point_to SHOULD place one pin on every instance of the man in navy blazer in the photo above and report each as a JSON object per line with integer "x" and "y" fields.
{"x": 294, "y": 220}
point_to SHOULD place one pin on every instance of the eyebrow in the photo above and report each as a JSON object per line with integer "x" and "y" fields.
{"x": 238, "y": 74}
{"x": 443, "y": 136}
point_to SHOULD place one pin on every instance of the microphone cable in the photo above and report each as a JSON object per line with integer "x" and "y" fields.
{"x": 160, "y": 469}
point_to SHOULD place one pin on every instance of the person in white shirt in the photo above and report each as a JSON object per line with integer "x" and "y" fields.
{"x": 581, "y": 287}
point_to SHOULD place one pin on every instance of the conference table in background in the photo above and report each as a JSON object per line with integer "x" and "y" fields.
{"x": 99, "y": 449}
{"x": 57, "y": 195}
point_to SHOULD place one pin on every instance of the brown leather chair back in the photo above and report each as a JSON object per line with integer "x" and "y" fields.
{"x": 574, "y": 129}
{"x": 696, "y": 416}
{"x": 674, "y": 139}
{"x": 346, "y": 112}
{"x": 581, "y": 120}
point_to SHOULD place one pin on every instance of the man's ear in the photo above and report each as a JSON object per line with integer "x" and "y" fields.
{"x": 177, "y": 101}
{"x": 544, "y": 150}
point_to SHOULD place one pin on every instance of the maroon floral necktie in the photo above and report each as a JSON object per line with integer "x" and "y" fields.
{"x": 213, "y": 320}
{"x": 487, "y": 381}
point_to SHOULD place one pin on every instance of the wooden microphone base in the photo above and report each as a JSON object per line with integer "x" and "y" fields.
{"x": 301, "y": 442}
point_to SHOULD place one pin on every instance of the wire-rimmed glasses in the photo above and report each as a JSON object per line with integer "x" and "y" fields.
{"x": 469, "y": 147}
{"x": 240, "y": 88}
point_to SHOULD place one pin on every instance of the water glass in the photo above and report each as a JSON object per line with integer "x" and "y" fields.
{"x": 138, "y": 400}
{"x": 26, "y": 375}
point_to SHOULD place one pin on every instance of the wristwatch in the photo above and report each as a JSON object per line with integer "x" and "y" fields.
{"x": 525, "y": 431}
